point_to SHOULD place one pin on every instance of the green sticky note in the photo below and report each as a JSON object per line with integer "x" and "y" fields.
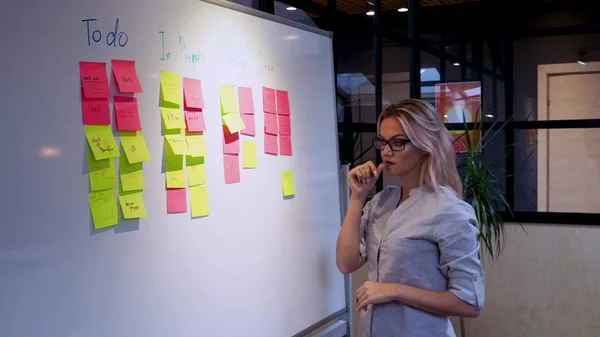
{"x": 101, "y": 141}
{"x": 176, "y": 144}
{"x": 174, "y": 172}
{"x": 234, "y": 122}
{"x": 172, "y": 118}
{"x": 134, "y": 146}
{"x": 131, "y": 175}
{"x": 199, "y": 201}
{"x": 249, "y": 154}
{"x": 132, "y": 205}
{"x": 228, "y": 100}
{"x": 102, "y": 173}
{"x": 103, "y": 206}
{"x": 287, "y": 183}
{"x": 196, "y": 147}
{"x": 170, "y": 87}
{"x": 196, "y": 170}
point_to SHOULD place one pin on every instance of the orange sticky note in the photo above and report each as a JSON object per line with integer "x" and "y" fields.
{"x": 285, "y": 125}
{"x": 176, "y": 200}
{"x": 195, "y": 121}
{"x": 285, "y": 145}
{"x": 269, "y": 100}
{"x": 95, "y": 112}
{"x": 231, "y": 142}
{"x": 231, "y": 165}
{"x": 127, "y": 114}
{"x": 246, "y": 100}
{"x": 270, "y": 144}
{"x": 270, "y": 123}
{"x": 126, "y": 76}
{"x": 94, "y": 80}
{"x": 192, "y": 94}
{"x": 283, "y": 103}
{"x": 250, "y": 129}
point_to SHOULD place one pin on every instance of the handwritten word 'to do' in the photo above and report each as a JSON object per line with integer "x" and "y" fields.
{"x": 113, "y": 38}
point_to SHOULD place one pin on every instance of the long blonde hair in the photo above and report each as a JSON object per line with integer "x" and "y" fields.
{"x": 425, "y": 129}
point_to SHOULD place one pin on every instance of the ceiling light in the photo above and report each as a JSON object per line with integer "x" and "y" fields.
{"x": 489, "y": 116}
{"x": 370, "y": 13}
{"x": 291, "y": 8}
{"x": 582, "y": 56}
{"x": 456, "y": 64}
{"x": 402, "y": 9}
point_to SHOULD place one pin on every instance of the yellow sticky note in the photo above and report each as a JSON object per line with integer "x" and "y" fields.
{"x": 287, "y": 183}
{"x": 174, "y": 172}
{"x": 177, "y": 144}
{"x": 132, "y": 205}
{"x": 131, "y": 175}
{"x": 249, "y": 154}
{"x": 172, "y": 118}
{"x": 196, "y": 147}
{"x": 196, "y": 170}
{"x": 134, "y": 146}
{"x": 101, "y": 141}
{"x": 234, "y": 122}
{"x": 102, "y": 173}
{"x": 227, "y": 97}
{"x": 170, "y": 87}
{"x": 199, "y": 201}
{"x": 103, "y": 206}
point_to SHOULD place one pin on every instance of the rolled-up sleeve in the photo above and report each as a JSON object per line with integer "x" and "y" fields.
{"x": 457, "y": 238}
{"x": 364, "y": 222}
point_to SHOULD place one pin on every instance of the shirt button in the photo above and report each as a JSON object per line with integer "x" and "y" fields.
{"x": 475, "y": 277}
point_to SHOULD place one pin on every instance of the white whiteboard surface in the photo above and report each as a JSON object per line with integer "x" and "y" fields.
{"x": 259, "y": 265}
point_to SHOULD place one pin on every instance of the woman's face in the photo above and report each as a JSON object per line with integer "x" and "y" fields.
{"x": 399, "y": 161}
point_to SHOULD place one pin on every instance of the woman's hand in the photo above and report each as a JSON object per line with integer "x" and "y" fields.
{"x": 362, "y": 178}
{"x": 375, "y": 293}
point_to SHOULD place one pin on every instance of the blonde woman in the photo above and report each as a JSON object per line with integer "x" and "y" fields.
{"x": 419, "y": 239}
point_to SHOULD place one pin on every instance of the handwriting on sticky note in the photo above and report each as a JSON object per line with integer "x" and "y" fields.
{"x": 287, "y": 183}
{"x": 285, "y": 145}
{"x": 172, "y": 118}
{"x": 196, "y": 170}
{"x": 133, "y": 205}
{"x": 234, "y": 122}
{"x": 177, "y": 144}
{"x": 285, "y": 125}
{"x": 199, "y": 201}
{"x": 271, "y": 146}
{"x": 195, "y": 121}
{"x": 126, "y": 76}
{"x": 134, "y": 146}
{"x": 196, "y": 147}
{"x": 103, "y": 206}
{"x": 271, "y": 123}
{"x": 170, "y": 85}
{"x": 174, "y": 172}
{"x": 227, "y": 97}
{"x": 246, "y": 100}
{"x": 232, "y": 168}
{"x": 248, "y": 154}
{"x": 283, "y": 103}
{"x": 231, "y": 142}
{"x": 127, "y": 115}
{"x": 102, "y": 173}
{"x": 101, "y": 141}
{"x": 250, "y": 129}
{"x": 176, "y": 200}
{"x": 94, "y": 80}
{"x": 131, "y": 175}
{"x": 95, "y": 112}
{"x": 192, "y": 93}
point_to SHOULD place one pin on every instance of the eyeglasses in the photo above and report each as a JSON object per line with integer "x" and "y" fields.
{"x": 394, "y": 144}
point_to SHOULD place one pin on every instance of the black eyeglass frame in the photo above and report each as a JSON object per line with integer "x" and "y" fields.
{"x": 380, "y": 143}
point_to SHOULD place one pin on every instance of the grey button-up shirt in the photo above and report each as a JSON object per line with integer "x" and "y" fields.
{"x": 430, "y": 242}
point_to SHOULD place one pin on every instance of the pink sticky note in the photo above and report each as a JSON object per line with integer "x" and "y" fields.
{"x": 94, "y": 80}
{"x": 127, "y": 114}
{"x": 231, "y": 142}
{"x": 285, "y": 145}
{"x": 231, "y": 165}
{"x": 271, "y": 144}
{"x": 246, "y": 100}
{"x": 195, "y": 121}
{"x": 269, "y": 100}
{"x": 95, "y": 112}
{"x": 126, "y": 76}
{"x": 176, "y": 200}
{"x": 192, "y": 94}
{"x": 271, "y": 123}
{"x": 285, "y": 125}
{"x": 250, "y": 129}
{"x": 283, "y": 102}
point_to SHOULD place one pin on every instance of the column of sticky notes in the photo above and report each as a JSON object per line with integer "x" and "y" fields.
{"x": 232, "y": 124}
{"x": 246, "y": 105}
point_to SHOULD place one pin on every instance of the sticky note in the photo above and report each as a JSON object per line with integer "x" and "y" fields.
{"x": 94, "y": 80}
{"x": 192, "y": 94}
{"x": 103, "y": 206}
{"x": 127, "y": 114}
{"x": 195, "y": 121}
{"x": 283, "y": 104}
{"x": 269, "y": 100}
{"x": 174, "y": 172}
{"x": 232, "y": 168}
{"x": 170, "y": 86}
{"x": 126, "y": 76}
{"x": 250, "y": 129}
{"x": 287, "y": 183}
{"x": 176, "y": 200}
{"x": 131, "y": 175}
{"x": 196, "y": 171}
{"x": 102, "y": 173}
{"x": 172, "y": 118}
{"x": 246, "y": 100}
{"x": 231, "y": 142}
{"x": 134, "y": 146}
{"x": 95, "y": 112}
{"x": 199, "y": 201}
{"x": 234, "y": 122}
{"x": 285, "y": 145}
{"x": 248, "y": 154}
{"x": 271, "y": 123}
{"x": 177, "y": 144}
{"x": 101, "y": 141}
{"x": 285, "y": 125}
{"x": 196, "y": 147}
{"x": 132, "y": 205}
{"x": 227, "y": 98}
{"x": 271, "y": 146}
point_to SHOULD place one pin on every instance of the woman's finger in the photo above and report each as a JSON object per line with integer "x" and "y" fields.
{"x": 372, "y": 168}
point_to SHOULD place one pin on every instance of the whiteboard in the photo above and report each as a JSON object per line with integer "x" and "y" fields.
{"x": 258, "y": 265}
